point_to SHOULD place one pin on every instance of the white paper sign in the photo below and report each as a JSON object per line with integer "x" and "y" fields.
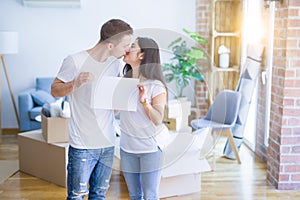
{"x": 116, "y": 93}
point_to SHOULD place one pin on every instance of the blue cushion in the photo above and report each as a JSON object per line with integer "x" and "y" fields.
{"x": 35, "y": 112}
{"x": 44, "y": 83}
{"x": 40, "y": 97}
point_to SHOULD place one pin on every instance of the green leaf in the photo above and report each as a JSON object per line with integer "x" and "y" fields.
{"x": 169, "y": 77}
{"x": 175, "y": 42}
{"x": 195, "y": 36}
{"x": 196, "y": 53}
{"x": 198, "y": 76}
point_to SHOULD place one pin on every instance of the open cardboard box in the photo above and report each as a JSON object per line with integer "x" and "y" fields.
{"x": 181, "y": 173}
{"x": 55, "y": 129}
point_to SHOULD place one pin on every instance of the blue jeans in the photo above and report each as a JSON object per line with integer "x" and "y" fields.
{"x": 142, "y": 173}
{"x": 89, "y": 172}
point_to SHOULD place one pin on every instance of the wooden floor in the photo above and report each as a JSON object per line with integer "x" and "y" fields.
{"x": 229, "y": 181}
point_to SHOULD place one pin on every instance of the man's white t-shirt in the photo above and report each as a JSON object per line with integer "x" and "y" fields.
{"x": 137, "y": 130}
{"x": 89, "y": 128}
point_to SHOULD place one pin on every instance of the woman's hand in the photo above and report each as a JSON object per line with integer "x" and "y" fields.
{"x": 142, "y": 93}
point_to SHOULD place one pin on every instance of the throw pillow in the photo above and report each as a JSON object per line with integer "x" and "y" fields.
{"x": 40, "y": 97}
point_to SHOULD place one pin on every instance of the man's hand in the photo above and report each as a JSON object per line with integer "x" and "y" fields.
{"x": 82, "y": 78}
{"x": 61, "y": 89}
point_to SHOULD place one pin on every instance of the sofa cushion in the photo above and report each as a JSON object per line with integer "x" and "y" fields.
{"x": 35, "y": 112}
{"x": 44, "y": 83}
{"x": 40, "y": 97}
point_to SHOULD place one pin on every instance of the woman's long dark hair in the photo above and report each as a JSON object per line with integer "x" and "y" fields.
{"x": 150, "y": 66}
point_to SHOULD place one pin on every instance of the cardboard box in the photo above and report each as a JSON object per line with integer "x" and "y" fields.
{"x": 41, "y": 159}
{"x": 170, "y": 123}
{"x": 180, "y": 185}
{"x": 177, "y": 114}
{"x": 183, "y": 165}
{"x": 55, "y": 129}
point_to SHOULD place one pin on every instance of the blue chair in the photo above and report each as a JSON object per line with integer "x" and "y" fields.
{"x": 221, "y": 116}
{"x": 30, "y": 103}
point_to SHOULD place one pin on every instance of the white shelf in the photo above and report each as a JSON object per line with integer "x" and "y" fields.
{"x": 229, "y": 69}
{"x": 226, "y": 34}
{"x": 225, "y": 0}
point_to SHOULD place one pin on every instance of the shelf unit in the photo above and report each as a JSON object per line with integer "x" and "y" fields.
{"x": 225, "y": 30}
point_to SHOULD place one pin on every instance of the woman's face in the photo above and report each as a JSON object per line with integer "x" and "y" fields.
{"x": 134, "y": 56}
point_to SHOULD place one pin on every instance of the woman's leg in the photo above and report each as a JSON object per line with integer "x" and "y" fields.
{"x": 151, "y": 164}
{"x": 130, "y": 164}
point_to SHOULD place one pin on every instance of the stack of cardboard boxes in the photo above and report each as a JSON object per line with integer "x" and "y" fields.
{"x": 177, "y": 114}
{"x": 181, "y": 173}
{"x": 43, "y": 153}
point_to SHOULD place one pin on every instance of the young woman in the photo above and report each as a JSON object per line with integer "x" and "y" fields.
{"x": 141, "y": 155}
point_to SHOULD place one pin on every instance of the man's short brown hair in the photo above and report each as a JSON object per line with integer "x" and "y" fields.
{"x": 114, "y": 30}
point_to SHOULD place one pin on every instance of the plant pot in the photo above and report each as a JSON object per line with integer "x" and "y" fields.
{"x": 182, "y": 99}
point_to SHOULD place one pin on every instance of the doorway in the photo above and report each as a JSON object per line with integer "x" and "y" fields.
{"x": 252, "y": 30}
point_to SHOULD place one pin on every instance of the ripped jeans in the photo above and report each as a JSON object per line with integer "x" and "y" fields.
{"x": 89, "y": 172}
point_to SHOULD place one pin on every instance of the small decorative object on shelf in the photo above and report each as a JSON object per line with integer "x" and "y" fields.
{"x": 223, "y": 56}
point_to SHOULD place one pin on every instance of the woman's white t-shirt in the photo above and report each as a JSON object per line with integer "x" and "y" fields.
{"x": 137, "y": 130}
{"x": 89, "y": 128}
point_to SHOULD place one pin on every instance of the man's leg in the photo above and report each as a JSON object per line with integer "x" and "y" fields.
{"x": 100, "y": 177}
{"x": 80, "y": 165}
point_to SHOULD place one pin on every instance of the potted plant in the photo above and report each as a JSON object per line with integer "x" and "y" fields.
{"x": 185, "y": 64}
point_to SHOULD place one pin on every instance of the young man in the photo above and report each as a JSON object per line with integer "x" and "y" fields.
{"x": 91, "y": 131}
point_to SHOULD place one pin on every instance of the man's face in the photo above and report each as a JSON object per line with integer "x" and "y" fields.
{"x": 122, "y": 47}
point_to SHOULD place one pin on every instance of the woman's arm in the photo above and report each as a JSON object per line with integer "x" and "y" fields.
{"x": 155, "y": 110}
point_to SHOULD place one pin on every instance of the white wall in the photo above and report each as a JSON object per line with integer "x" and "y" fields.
{"x": 47, "y": 35}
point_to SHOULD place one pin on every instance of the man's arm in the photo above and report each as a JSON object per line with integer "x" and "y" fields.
{"x": 60, "y": 88}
